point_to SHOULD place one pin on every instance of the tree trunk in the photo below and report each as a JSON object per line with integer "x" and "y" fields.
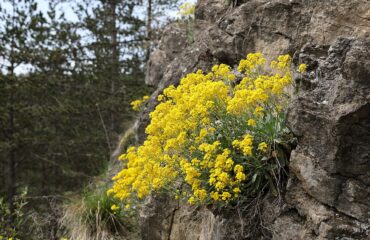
{"x": 115, "y": 57}
{"x": 11, "y": 176}
{"x": 148, "y": 29}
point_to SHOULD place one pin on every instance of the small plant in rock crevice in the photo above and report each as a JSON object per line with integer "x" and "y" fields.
{"x": 186, "y": 13}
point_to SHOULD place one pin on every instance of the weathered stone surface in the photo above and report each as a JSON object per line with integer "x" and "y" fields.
{"x": 201, "y": 224}
{"x": 156, "y": 217}
{"x": 173, "y": 42}
{"x": 328, "y": 192}
{"x": 155, "y": 65}
{"x": 331, "y": 116}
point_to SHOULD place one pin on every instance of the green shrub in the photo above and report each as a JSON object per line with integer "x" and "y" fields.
{"x": 12, "y": 221}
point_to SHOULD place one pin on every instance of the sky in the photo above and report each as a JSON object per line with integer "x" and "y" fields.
{"x": 65, "y": 7}
{"x": 43, "y": 5}
{"x": 70, "y": 15}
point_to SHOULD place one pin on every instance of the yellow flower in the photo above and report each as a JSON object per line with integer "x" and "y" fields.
{"x": 109, "y": 192}
{"x": 284, "y": 62}
{"x": 258, "y": 112}
{"x": 220, "y": 185}
{"x": 238, "y": 168}
{"x": 240, "y": 176}
{"x": 191, "y": 200}
{"x": 114, "y": 208}
{"x": 137, "y": 104}
{"x": 262, "y": 147}
{"x": 236, "y": 143}
{"x": 187, "y": 9}
{"x": 160, "y": 97}
{"x": 226, "y": 196}
{"x": 246, "y": 145}
{"x": 251, "y": 122}
{"x": 252, "y": 61}
{"x": 223, "y": 72}
{"x": 215, "y": 196}
{"x": 201, "y": 194}
{"x": 302, "y": 68}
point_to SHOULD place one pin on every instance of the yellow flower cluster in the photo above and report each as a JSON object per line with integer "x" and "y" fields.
{"x": 187, "y": 9}
{"x": 246, "y": 145}
{"x": 302, "y": 68}
{"x": 262, "y": 147}
{"x": 223, "y": 72}
{"x": 206, "y": 134}
{"x": 255, "y": 90}
{"x": 114, "y": 208}
{"x": 251, "y": 63}
{"x": 137, "y": 104}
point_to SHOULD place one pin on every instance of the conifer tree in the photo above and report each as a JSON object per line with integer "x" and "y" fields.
{"x": 65, "y": 89}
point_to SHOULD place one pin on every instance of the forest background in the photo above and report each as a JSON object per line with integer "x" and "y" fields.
{"x": 68, "y": 72}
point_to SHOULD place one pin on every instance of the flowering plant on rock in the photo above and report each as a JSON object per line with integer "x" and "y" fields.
{"x": 215, "y": 137}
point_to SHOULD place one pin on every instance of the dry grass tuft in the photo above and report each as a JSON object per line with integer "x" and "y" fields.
{"x": 90, "y": 217}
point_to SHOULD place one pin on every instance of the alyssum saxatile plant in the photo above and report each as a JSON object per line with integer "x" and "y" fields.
{"x": 213, "y": 138}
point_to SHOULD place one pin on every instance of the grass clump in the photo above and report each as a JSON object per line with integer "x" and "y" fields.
{"x": 95, "y": 215}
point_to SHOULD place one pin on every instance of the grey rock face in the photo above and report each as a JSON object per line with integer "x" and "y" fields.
{"x": 328, "y": 191}
{"x": 330, "y": 115}
{"x": 173, "y": 42}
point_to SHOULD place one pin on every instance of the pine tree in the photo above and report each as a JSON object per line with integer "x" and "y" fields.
{"x": 115, "y": 46}
{"x": 65, "y": 89}
{"x": 15, "y": 53}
